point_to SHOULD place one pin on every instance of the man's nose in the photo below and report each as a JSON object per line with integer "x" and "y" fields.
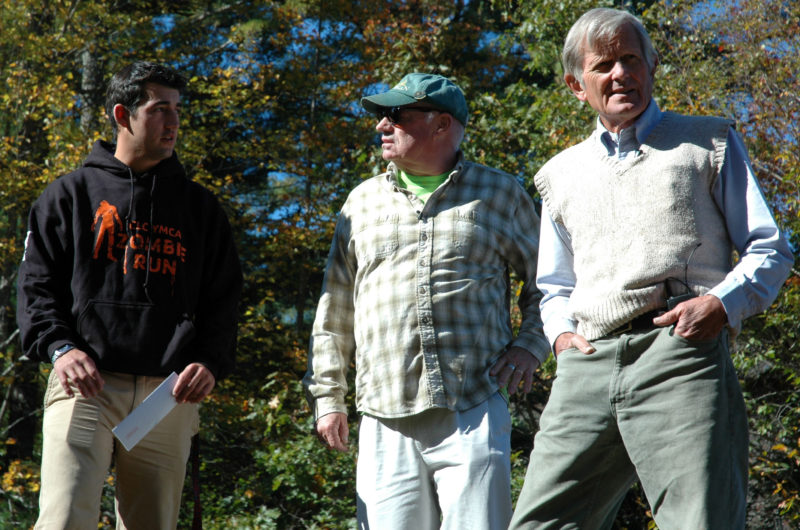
{"x": 620, "y": 70}
{"x": 384, "y": 125}
{"x": 172, "y": 121}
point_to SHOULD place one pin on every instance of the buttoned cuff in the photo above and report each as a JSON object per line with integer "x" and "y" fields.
{"x": 328, "y": 405}
{"x": 733, "y": 300}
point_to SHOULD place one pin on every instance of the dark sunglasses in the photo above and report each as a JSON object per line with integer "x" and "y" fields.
{"x": 393, "y": 113}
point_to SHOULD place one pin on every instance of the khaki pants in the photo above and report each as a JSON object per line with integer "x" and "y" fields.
{"x": 647, "y": 404}
{"x": 78, "y": 448}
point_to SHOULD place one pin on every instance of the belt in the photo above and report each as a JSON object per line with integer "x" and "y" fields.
{"x": 640, "y": 323}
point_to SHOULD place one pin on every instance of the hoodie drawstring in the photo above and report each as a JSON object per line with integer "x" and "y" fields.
{"x": 146, "y": 284}
{"x": 130, "y": 206}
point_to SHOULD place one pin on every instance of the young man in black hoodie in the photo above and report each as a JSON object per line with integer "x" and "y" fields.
{"x": 129, "y": 273}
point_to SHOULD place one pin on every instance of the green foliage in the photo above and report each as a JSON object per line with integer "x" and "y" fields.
{"x": 767, "y": 356}
{"x": 278, "y": 475}
{"x": 20, "y": 486}
{"x": 272, "y": 125}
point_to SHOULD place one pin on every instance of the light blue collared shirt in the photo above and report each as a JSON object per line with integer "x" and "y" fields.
{"x": 764, "y": 255}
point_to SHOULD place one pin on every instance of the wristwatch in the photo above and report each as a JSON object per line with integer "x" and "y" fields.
{"x": 61, "y": 351}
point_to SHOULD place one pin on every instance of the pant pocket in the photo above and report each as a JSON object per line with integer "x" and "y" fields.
{"x": 83, "y": 423}
{"x": 54, "y": 392}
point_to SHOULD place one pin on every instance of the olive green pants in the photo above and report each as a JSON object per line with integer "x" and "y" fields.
{"x": 78, "y": 448}
{"x": 649, "y": 404}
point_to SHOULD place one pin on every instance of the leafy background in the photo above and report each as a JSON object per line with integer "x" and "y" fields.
{"x": 272, "y": 124}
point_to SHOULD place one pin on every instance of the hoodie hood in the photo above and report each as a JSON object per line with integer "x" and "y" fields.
{"x": 102, "y": 157}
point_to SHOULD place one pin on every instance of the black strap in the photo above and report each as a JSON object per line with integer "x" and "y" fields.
{"x": 640, "y": 323}
{"x": 197, "y": 519}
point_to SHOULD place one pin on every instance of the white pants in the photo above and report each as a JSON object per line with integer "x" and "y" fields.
{"x": 438, "y": 469}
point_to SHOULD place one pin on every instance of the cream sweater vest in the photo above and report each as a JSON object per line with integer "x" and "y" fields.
{"x": 634, "y": 224}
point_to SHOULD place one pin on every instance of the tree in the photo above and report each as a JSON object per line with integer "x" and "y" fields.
{"x": 273, "y": 125}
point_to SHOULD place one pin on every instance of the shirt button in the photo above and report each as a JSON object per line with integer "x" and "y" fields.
{"x": 424, "y": 237}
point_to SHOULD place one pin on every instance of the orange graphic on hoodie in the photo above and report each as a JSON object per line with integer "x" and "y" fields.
{"x": 109, "y": 220}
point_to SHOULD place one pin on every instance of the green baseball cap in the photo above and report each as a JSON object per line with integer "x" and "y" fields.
{"x": 434, "y": 90}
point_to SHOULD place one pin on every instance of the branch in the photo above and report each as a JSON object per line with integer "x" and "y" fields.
{"x": 9, "y": 340}
{"x": 11, "y": 425}
{"x": 767, "y": 169}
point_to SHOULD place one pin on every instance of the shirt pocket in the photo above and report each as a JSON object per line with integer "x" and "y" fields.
{"x": 468, "y": 236}
{"x": 463, "y": 227}
{"x": 376, "y": 239}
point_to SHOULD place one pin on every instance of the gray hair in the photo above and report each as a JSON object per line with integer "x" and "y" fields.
{"x": 598, "y": 26}
{"x": 458, "y": 133}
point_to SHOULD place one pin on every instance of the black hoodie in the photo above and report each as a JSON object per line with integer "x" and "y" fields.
{"x": 139, "y": 271}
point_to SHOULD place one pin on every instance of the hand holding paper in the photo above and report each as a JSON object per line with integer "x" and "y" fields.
{"x": 153, "y": 409}
{"x": 194, "y": 384}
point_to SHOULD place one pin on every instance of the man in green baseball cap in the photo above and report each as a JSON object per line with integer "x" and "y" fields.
{"x": 416, "y": 291}
{"x": 432, "y": 90}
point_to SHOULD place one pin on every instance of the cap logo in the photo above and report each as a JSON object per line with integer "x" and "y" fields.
{"x": 401, "y": 86}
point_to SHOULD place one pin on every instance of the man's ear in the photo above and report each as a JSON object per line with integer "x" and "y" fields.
{"x": 656, "y": 62}
{"x": 444, "y": 122}
{"x": 122, "y": 116}
{"x": 575, "y": 85}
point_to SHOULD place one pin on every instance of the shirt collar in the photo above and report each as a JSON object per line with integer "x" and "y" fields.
{"x": 392, "y": 170}
{"x": 643, "y": 126}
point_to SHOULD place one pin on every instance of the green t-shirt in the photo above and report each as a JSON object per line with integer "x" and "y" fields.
{"x": 422, "y": 187}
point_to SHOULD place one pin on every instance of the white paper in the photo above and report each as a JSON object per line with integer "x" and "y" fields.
{"x": 152, "y": 410}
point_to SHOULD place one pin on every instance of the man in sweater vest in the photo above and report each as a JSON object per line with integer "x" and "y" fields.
{"x": 640, "y": 295}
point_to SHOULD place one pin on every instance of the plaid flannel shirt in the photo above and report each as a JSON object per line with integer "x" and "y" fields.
{"x": 419, "y": 293}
